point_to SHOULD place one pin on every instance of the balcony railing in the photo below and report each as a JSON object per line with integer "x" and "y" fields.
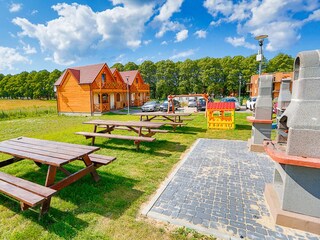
{"x": 105, "y": 107}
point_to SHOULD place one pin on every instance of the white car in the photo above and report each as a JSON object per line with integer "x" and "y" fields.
{"x": 251, "y": 103}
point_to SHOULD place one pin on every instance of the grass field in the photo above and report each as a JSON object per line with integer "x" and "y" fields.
{"x": 108, "y": 209}
{"x": 11, "y": 109}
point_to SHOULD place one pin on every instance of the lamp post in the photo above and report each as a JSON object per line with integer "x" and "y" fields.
{"x": 240, "y": 78}
{"x": 259, "y": 58}
{"x": 128, "y": 100}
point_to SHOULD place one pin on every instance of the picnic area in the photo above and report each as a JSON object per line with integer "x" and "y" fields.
{"x": 88, "y": 209}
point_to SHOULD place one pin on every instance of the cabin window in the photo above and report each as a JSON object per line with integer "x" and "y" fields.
{"x": 103, "y": 78}
{"x": 105, "y": 98}
{"x": 118, "y": 97}
{"x": 137, "y": 80}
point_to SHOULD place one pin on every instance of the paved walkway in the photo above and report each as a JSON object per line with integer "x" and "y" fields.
{"x": 218, "y": 189}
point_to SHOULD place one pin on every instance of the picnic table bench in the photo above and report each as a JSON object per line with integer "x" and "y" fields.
{"x": 144, "y": 130}
{"x": 53, "y": 154}
{"x": 173, "y": 119}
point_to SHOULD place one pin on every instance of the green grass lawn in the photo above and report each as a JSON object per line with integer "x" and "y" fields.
{"x": 108, "y": 209}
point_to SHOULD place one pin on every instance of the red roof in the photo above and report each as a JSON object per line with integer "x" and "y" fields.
{"x": 85, "y": 74}
{"x": 221, "y": 105}
{"x": 131, "y": 75}
{"x": 113, "y": 70}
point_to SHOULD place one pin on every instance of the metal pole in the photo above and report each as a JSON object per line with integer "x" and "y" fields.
{"x": 260, "y": 38}
{"x": 260, "y": 63}
{"x": 240, "y": 77}
{"x": 128, "y": 100}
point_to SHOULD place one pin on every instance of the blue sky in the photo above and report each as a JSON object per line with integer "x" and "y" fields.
{"x": 40, "y": 34}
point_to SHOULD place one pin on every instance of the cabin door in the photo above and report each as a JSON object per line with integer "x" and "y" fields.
{"x": 112, "y": 101}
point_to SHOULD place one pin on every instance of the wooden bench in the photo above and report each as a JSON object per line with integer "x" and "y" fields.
{"x": 187, "y": 119}
{"x": 136, "y": 139}
{"x": 99, "y": 160}
{"x": 29, "y": 194}
{"x": 144, "y": 130}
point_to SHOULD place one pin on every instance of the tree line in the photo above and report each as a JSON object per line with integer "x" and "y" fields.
{"x": 219, "y": 76}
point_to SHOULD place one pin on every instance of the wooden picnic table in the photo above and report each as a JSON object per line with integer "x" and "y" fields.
{"x": 174, "y": 119}
{"x": 144, "y": 130}
{"x": 53, "y": 154}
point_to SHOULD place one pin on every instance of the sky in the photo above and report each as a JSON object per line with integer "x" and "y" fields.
{"x": 47, "y": 34}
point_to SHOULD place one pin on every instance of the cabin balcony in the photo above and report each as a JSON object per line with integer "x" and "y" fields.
{"x": 101, "y": 107}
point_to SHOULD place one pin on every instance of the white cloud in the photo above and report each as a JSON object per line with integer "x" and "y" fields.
{"x": 34, "y": 12}
{"x": 168, "y": 9}
{"x": 168, "y": 26}
{"x": 182, "y": 35}
{"x": 240, "y": 42}
{"x": 278, "y": 19}
{"x": 29, "y": 50}
{"x": 201, "y": 34}
{"x": 78, "y": 31}
{"x": 147, "y": 42}
{"x": 216, "y": 6}
{"x": 120, "y": 58}
{"x": 9, "y": 57}
{"x": 15, "y": 7}
{"x": 164, "y": 43}
{"x": 163, "y": 18}
{"x": 183, "y": 54}
{"x": 315, "y": 16}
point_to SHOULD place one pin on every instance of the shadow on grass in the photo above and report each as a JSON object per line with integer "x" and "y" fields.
{"x": 243, "y": 127}
{"x": 110, "y": 197}
{"x": 189, "y": 130}
{"x": 153, "y": 148}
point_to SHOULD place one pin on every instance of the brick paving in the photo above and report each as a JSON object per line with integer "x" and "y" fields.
{"x": 218, "y": 189}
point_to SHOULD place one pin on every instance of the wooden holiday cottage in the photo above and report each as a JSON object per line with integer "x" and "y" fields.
{"x": 139, "y": 91}
{"x": 92, "y": 89}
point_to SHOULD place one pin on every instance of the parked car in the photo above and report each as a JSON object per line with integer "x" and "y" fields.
{"x": 164, "y": 105}
{"x": 201, "y": 104}
{"x": 232, "y": 99}
{"x": 192, "y": 102}
{"x": 251, "y": 103}
{"x": 151, "y": 106}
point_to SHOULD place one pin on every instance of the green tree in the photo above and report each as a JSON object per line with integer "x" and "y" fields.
{"x": 169, "y": 73}
{"x": 131, "y": 66}
{"x": 118, "y": 66}
{"x": 189, "y": 81}
{"x": 280, "y": 63}
{"x": 148, "y": 71}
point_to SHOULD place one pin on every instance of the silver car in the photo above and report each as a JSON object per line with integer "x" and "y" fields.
{"x": 151, "y": 106}
{"x": 232, "y": 99}
{"x": 192, "y": 103}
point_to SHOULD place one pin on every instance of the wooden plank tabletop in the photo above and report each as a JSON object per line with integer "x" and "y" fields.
{"x": 44, "y": 151}
{"x": 126, "y": 123}
{"x": 161, "y": 114}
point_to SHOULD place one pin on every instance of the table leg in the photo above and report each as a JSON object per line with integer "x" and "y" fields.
{"x": 94, "y": 138}
{"x": 137, "y": 143}
{"x": 51, "y": 175}
{"x": 93, "y": 173}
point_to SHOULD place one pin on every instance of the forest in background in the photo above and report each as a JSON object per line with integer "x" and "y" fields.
{"x": 219, "y": 76}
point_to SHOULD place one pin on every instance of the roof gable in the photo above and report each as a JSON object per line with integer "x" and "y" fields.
{"x": 131, "y": 75}
{"x": 84, "y": 75}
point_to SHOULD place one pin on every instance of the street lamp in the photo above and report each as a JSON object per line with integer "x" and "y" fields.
{"x": 259, "y": 58}
{"x": 127, "y": 78}
{"x": 240, "y": 77}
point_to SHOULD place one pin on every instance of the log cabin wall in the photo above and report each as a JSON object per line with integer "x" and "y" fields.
{"x": 72, "y": 97}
